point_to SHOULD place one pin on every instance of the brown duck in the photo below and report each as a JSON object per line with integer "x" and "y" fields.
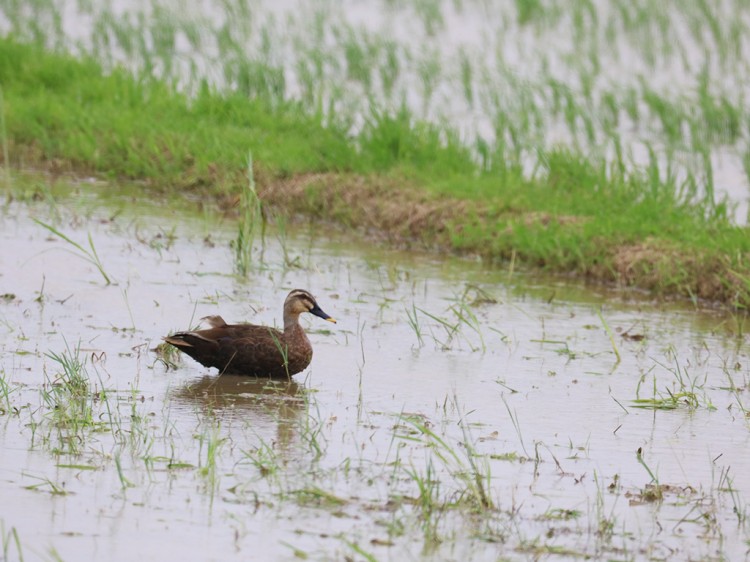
{"x": 247, "y": 349}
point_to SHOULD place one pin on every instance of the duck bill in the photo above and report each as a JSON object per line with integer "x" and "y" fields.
{"x": 317, "y": 311}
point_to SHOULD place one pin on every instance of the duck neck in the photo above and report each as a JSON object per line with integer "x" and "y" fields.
{"x": 291, "y": 323}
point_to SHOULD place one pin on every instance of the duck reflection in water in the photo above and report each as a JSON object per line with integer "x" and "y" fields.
{"x": 260, "y": 403}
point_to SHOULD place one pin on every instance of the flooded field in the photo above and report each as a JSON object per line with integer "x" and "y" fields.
{"x": 656, "y": 86}
{"x": 455, "y": 412}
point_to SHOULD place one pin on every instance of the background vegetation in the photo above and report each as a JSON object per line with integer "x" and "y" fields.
{"x": 593, "y": 153}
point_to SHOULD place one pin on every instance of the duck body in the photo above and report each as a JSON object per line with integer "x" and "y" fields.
{"x": 248, "y": 349}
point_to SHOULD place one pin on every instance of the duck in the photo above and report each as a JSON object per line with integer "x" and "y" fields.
{"x": 249, "y": 349}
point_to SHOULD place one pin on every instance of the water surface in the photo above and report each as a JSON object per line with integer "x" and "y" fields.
{"x": 442, "y": 381}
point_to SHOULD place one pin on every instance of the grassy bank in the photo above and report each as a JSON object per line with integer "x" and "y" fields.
{"x": 398, "y": 176}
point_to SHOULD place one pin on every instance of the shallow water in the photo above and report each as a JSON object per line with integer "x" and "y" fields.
{"x": 385, "y": 445}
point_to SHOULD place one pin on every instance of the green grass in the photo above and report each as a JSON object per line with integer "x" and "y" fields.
{"x": 89, "y": 255}
{"x": 250, "y": 224}
{"x": 688, "y": 391}
{"x": 10, "y": 539}
{"x": 576, "y": 212}
{"x": 69, "y": 400}
{"x": 121, "y": 126}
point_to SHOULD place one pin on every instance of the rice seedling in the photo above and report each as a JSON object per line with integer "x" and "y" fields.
{"x": 702, "y": 513}
{"x": 560, "y": 514}
{"x": 466, "y": 73}
{"x": 310, "y": 428}
{"x": 89, "y": 254}
{"x": 130, "y": 310}
{"x": 314, "y": 61}
{"x": 47, "y": 485}
{"x": 610, "y": 335}
{"x": 605, "y": 521}
{"x": 314, "y": 495}
{"x": 516, "y": 424}
{"x": 250, "y": 225}
{"x": 390, "y": 69}
{"x": 687, "y": 391}
{"x": 360, "y": 369}
{"x": 357, "y": 549}
{"x": 210, "y": 443}
{"x": 657, "y": 401}
{"x": 739, "y": 507}
{"x": 428, "y": 70}
{"x": 4, "y": 140}
{"x": 124, "y": 482}
{"x": 77, "y": 466}
{"x": 465, "y": 315}
{"x": 413, "y": 320}
{"x": 462, "y": 317}
{"x": 6, "y": 407}
{"x": 283, "y": 238}
{"x": 653, "y": 490}
{"x": 54, "y": 555}
{"x": 480, "y": 473}
{"x": 737, "y": 393}
{"x": 428, "y": 501}
{"x": 468, "y": 469}
{"x": 451, "y": 329}
{"x": 430, "y": 14}
{"x": 9, "y": 539}
{"x": 360, "y": 54}
{"x": 140, "y": 438}
{"x": 265, "y": 459}
{"x": 70, "y": 400}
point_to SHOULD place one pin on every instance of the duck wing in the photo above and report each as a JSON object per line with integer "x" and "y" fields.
{"x": 234, "y": 348}
{"x": 254, "y": 350}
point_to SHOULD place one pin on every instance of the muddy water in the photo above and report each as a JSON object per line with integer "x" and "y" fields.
{"x": 382, "y": 447}
{"x": 594, "y": 52}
